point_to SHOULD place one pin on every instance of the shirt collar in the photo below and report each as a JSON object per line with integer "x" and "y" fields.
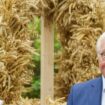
{"x": 103, "y": 80}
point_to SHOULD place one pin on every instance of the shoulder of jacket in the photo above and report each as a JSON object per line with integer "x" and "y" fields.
{"x": 85, "y": 84}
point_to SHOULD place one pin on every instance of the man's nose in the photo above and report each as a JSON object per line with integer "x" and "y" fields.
{"x": 102, "y": 62}
{"x": 101, "y": 59}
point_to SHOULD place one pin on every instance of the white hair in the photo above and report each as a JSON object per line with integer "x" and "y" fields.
{"x": 98, "y": 43}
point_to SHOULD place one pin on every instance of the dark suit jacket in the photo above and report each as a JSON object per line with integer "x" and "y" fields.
{"x": 87, "y": 93}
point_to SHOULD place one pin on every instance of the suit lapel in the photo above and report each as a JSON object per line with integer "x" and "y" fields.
{"x": 95, "y": 92}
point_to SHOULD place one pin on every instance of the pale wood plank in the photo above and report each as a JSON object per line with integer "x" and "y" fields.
{"x": 47, "y": 62}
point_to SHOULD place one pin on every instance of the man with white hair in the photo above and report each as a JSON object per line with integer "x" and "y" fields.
{"x": 91, "y": 92}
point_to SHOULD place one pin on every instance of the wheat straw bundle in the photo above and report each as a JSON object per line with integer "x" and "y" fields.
{"x": 45, "y": 7}
{"x": 59, "y": 101}
{"x": 80, "y": 22}
{"x": 15, "y": 49}
{"x": 26, "y": 101}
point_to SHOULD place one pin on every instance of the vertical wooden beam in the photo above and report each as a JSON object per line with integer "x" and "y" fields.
{"x": 47, "y": 56}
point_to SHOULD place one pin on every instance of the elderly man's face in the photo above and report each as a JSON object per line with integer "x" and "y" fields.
{"x": 101, "y": 57}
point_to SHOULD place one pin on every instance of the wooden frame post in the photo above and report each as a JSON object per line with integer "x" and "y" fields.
{"x": 47, "y": 59}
